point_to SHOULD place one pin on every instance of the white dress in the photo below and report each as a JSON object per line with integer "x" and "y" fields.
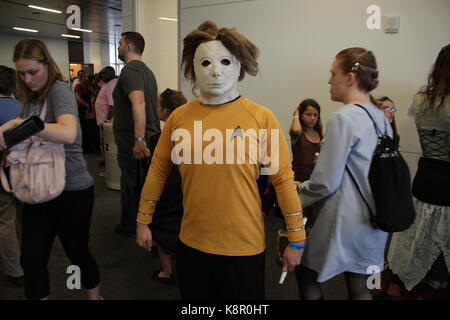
{"x": 413, "y": 252}
{"x": 342, "y": 238}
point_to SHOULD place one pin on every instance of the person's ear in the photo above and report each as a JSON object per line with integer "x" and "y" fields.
{"x": 350, "y": 79}
{"x": 167, "y": 113}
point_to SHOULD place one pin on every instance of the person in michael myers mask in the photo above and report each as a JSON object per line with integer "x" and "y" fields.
{"x": 222, "y": 142}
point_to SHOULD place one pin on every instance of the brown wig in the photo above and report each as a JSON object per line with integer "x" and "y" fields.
{"x": 363, "y": 64}
{"x": 171, "y": 99}
{"x": 438, "y": 80}
{"x": 36, "y": 50}
{"x": 244, "y": 50}
{"x": 302, "y": 108}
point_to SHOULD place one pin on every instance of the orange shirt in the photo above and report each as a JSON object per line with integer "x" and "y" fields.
{"x": 222, "y": 206}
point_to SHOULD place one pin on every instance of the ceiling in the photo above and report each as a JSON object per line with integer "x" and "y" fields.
{"x": 103, "y": 17}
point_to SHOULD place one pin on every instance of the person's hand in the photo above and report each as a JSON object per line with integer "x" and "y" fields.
{"x": 300, "y": 186}
{"x": 2, "y": 142}
{"x": 11, "y": 124}
{"x": 292, "y": 257}
{"x": 295, "y": 112}
{"x": 140, "y": 150}
{"x": 6, "y": 127}
{"x": 143, "y": 236}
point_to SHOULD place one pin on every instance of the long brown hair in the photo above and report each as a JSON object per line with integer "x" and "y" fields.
{"x": 364, "y": 65}
{"x": 244, "y": 50}
{"x": 438, "y": 80}
{"x": 302, "y": 108}
{"x": 36, "y": 50}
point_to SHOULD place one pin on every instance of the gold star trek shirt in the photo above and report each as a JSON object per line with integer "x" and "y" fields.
{"x": 220, "y": 150}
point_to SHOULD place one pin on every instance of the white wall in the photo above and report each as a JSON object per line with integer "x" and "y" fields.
{"x": 161, "y": 38}
{"x": 96, "y": 53}
{"x": 129, "y": 15}
{"x": 298, "y": 40}
{"x": 96, "y": 57}
{"x": 58, "y": 49}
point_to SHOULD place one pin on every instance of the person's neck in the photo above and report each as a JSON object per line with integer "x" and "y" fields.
{"x": 308, "y": 129}
{"x": 218, "y": 100}
{"x": 357, "y": 97}
{"x": 132, "y": 57}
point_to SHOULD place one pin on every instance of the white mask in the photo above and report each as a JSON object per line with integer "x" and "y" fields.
{"x": 217, "y": 73}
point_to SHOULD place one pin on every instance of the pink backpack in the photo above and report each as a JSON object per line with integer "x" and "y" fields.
{"x": 37, "y": 171}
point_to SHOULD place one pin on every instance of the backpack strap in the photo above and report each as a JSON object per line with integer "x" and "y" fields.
{"x": 378, "y": 132}
{"x": 3, "y": 178}
{"x": 372, "y": 215}
{"x": 43, "y": 111}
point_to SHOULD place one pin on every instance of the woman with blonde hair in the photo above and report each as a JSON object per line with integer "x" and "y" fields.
{"x": 69, "y": 215}
{"x": 343, "y": 239}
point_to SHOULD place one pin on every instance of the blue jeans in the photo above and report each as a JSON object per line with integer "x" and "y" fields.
{"x": 132, "y": 179}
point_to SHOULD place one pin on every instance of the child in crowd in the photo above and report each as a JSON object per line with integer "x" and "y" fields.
{"x": 166, "y": 222}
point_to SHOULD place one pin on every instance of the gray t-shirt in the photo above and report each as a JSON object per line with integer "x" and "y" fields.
{"x": 134, "y": 76}
{"x": 61, "y": 100}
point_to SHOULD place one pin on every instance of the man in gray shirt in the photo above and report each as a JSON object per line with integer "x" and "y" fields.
{"x": 136, "y": 125}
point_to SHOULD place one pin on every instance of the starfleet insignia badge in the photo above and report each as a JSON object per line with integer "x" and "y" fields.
{"x": 237, "y": 133}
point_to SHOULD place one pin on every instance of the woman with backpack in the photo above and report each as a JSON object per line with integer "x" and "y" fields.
{"x": 342, "y": 239}
{"x": 420, "y": 256}
{"x": 67, "y": 216}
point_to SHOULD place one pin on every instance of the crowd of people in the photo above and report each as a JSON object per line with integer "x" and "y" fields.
{"x": 202, "y": 207}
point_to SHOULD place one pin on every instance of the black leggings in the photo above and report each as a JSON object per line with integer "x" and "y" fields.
{"x": 309, "y": 288}
{"x": 68, "y": 217}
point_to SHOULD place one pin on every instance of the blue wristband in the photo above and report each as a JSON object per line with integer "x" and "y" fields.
{"x": 296, "y": 246}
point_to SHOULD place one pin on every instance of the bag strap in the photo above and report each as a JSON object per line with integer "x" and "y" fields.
{"x": 372, "y": 215}
{"x": 3, "y": 179}
{"x": 377, "y": 131}
{"x": 43, "y": 111}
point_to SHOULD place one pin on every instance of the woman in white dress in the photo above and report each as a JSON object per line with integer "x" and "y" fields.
{"x": 420, "y": 256}
{"x": 343, "y": 239}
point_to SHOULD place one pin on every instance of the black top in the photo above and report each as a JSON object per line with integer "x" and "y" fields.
{"x": 303, "y": 154}
{"x": 166, "y": 221}
{"x": 432, "y": 181}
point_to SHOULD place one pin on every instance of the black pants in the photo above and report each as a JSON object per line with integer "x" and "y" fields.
{"x": 132, "y": 178}
{"x": 203, "y": 276}
{"x": 68, "y": 217}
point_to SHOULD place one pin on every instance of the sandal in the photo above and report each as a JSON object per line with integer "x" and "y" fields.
{"x": 167, "y": 281}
